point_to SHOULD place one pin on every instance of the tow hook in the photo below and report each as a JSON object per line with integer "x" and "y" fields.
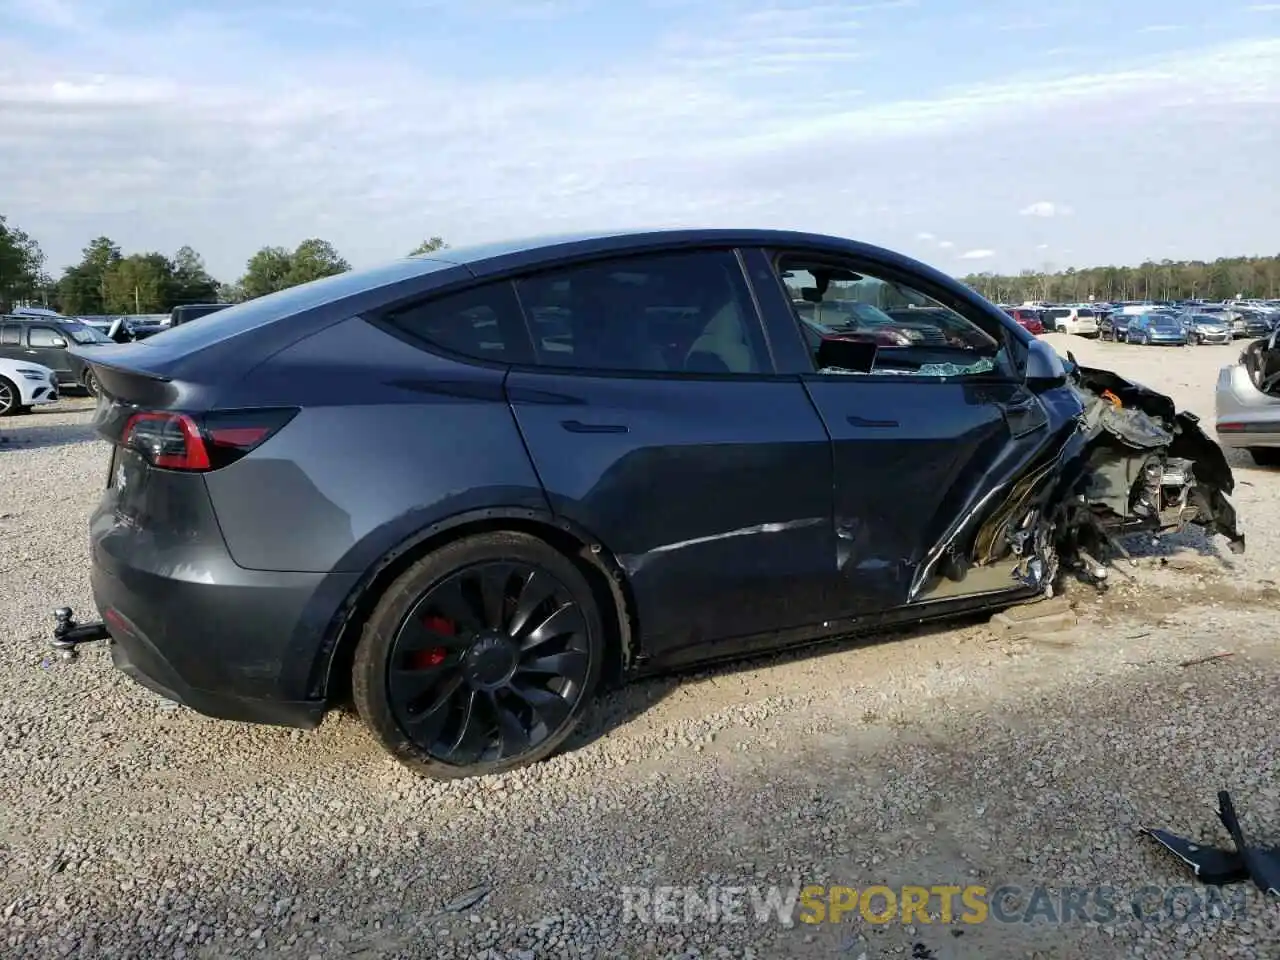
{"x": 68, "y": 635}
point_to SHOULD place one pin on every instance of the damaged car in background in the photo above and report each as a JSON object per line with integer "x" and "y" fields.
{"x": 467, "y": 489}
{"x": 1247, "y": 402}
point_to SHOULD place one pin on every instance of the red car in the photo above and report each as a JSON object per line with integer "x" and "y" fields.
{"x": 1028, "y": 319}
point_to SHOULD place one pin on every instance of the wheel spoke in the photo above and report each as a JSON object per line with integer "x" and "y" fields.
{"x": 571, "y": 664}
{"x": 568, "y": 619}
{"x": 472, "y": 737}
{"x": 493, "y": 594}
{"x": 450, "y": 601}
{"x": 411, "y": 686}
{"x": 550, "y": 707}
{"x": 513, "y": 739}
{"x": 415, "y": 635}
{"x": 536, "y": 590}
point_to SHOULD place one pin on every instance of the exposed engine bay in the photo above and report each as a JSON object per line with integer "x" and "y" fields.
{"x": 1129, "y": 462}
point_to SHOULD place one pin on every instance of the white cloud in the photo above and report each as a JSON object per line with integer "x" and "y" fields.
{"x": 1162, "y": 28}
{"x": 174, "y": 141}
{"x": 1042, "y": 246}
{"x": 925, "y": 235}
{"x": 1045, "y": 208}
{"x": 977, "y": 255}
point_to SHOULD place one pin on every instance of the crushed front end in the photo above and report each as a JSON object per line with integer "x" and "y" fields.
{"x": 1147, "y": 467}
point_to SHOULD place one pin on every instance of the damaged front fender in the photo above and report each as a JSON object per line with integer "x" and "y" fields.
{"x": 1120, "y": 459}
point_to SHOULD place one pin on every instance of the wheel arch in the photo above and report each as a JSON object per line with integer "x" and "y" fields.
{"x": 331, "y": 673}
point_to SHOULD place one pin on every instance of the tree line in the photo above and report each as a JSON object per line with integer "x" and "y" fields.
{"x": 1223, "y": 279}
{"x": 107, "y": 281}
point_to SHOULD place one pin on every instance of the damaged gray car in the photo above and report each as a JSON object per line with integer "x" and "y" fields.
{"x": 466, "y": 489}
{"x": 1247, "y": 402}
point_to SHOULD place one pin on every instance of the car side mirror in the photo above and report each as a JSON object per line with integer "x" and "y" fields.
{"x": 1044, "y": 366}
{"x": 57, "y": 342}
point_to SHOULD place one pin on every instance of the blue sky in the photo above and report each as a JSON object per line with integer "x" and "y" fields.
{"x": 975, "y": 135}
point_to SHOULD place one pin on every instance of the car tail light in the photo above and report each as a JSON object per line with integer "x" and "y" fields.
{"x": 199, "y": 443}
{"x": 1231, "y": 427}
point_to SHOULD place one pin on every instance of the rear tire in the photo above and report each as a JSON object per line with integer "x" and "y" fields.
{"x": 90, "y": 383}
{"x": 450, "y": 684}
{"x": 1265, "y": 456}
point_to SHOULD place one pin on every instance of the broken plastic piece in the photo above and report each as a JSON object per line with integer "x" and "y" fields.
{"x": 1215, "y": 866}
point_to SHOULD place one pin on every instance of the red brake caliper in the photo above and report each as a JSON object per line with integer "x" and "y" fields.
{"x": 431, "y": 656}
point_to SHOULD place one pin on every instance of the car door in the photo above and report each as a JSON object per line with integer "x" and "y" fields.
{"x": 914, "y": 446}
{"x": 48, "y": 346}
{"x": 655, "y": 421}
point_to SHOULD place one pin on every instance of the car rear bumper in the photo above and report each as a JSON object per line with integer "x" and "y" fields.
{"x": 189, "y": 624}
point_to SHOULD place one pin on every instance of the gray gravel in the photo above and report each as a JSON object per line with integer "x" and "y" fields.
{"x": 130, "y": 828}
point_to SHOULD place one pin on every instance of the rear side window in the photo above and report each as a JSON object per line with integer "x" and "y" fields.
{"x": 44, "y": 337}
{"x": 481, "y": 323}
{"x": 10, "y": 336}
{"x": 669, "y": 313}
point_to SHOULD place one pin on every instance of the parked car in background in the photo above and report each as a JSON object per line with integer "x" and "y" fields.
{"x": 45, "y": 341}
{"x": 1254, "y": 323}
{"x": 186, "y": 312}
{"x": 469, "y": 487}
{"x": 24, "y": 384}
{"x": 1081, "y": 321}
{"x": 1114, "y": 326}
{"x": 1247, "y": 402}
{"x": 1151, "y": 329}
{"x": 1206, "y": 328}
{"x": 1028, "y": 318}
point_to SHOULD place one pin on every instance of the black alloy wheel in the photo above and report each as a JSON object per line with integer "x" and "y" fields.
{"x": 481, "y": 657}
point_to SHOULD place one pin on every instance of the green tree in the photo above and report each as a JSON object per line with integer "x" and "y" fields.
{"x": 267, "y": 272}
{"x": 429, "y": 246}
{"x": 315, "y": 259}
{"x": 21, "y": 266}
{"x": 82, "y": 289}
{"x": 275, "y": 268}
{"x": 191, "y": 282}
{"x": 140, "y": 283}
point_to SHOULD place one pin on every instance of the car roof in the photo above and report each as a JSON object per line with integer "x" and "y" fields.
{"x": 532, "y": 251}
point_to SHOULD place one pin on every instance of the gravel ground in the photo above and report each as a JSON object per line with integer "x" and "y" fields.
{"x": 948, "y": 756}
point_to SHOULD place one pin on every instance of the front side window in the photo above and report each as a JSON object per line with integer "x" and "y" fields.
{"x": 44, "y": 337}
{"x": 83, "y": 333}
{"x": 880, "y": 326}
{"x": 666, "y": 313}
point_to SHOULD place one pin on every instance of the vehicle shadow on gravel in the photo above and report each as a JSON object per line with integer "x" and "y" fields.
{"x": 622, "y": 705}
{"x": 32, "y": 435}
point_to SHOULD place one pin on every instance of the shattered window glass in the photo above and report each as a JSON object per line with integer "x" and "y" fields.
{"x": 857, "y": 324}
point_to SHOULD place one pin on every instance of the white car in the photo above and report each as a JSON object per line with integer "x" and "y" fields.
{"x": 1082, "y": 321}
{"x": 25, "y": 385}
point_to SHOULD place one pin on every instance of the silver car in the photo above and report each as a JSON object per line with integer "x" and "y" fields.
{"x": 1206, "y": 328}
{"x": 1247, "y": 402}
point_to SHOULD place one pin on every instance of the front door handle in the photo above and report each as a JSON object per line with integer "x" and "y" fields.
{"x": 577, "y": 426}
{"x": 855, "y": 421}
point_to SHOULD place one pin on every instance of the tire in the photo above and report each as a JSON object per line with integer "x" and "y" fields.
{"x": 1265, "y": 456}
{"x": 10, "y": 398}
{"x": 90, "y": 383}
{"x": 402, "y": 662}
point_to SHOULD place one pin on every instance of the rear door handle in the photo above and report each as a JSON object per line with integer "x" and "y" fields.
{"x": 855, "y": 421}
{"x": 577, "y": 426}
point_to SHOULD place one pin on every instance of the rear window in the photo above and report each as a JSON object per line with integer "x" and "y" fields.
{"x": 1058, "y": 312}
{"x": 252, "y": 314}
{"x": 1084, "y": 312}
